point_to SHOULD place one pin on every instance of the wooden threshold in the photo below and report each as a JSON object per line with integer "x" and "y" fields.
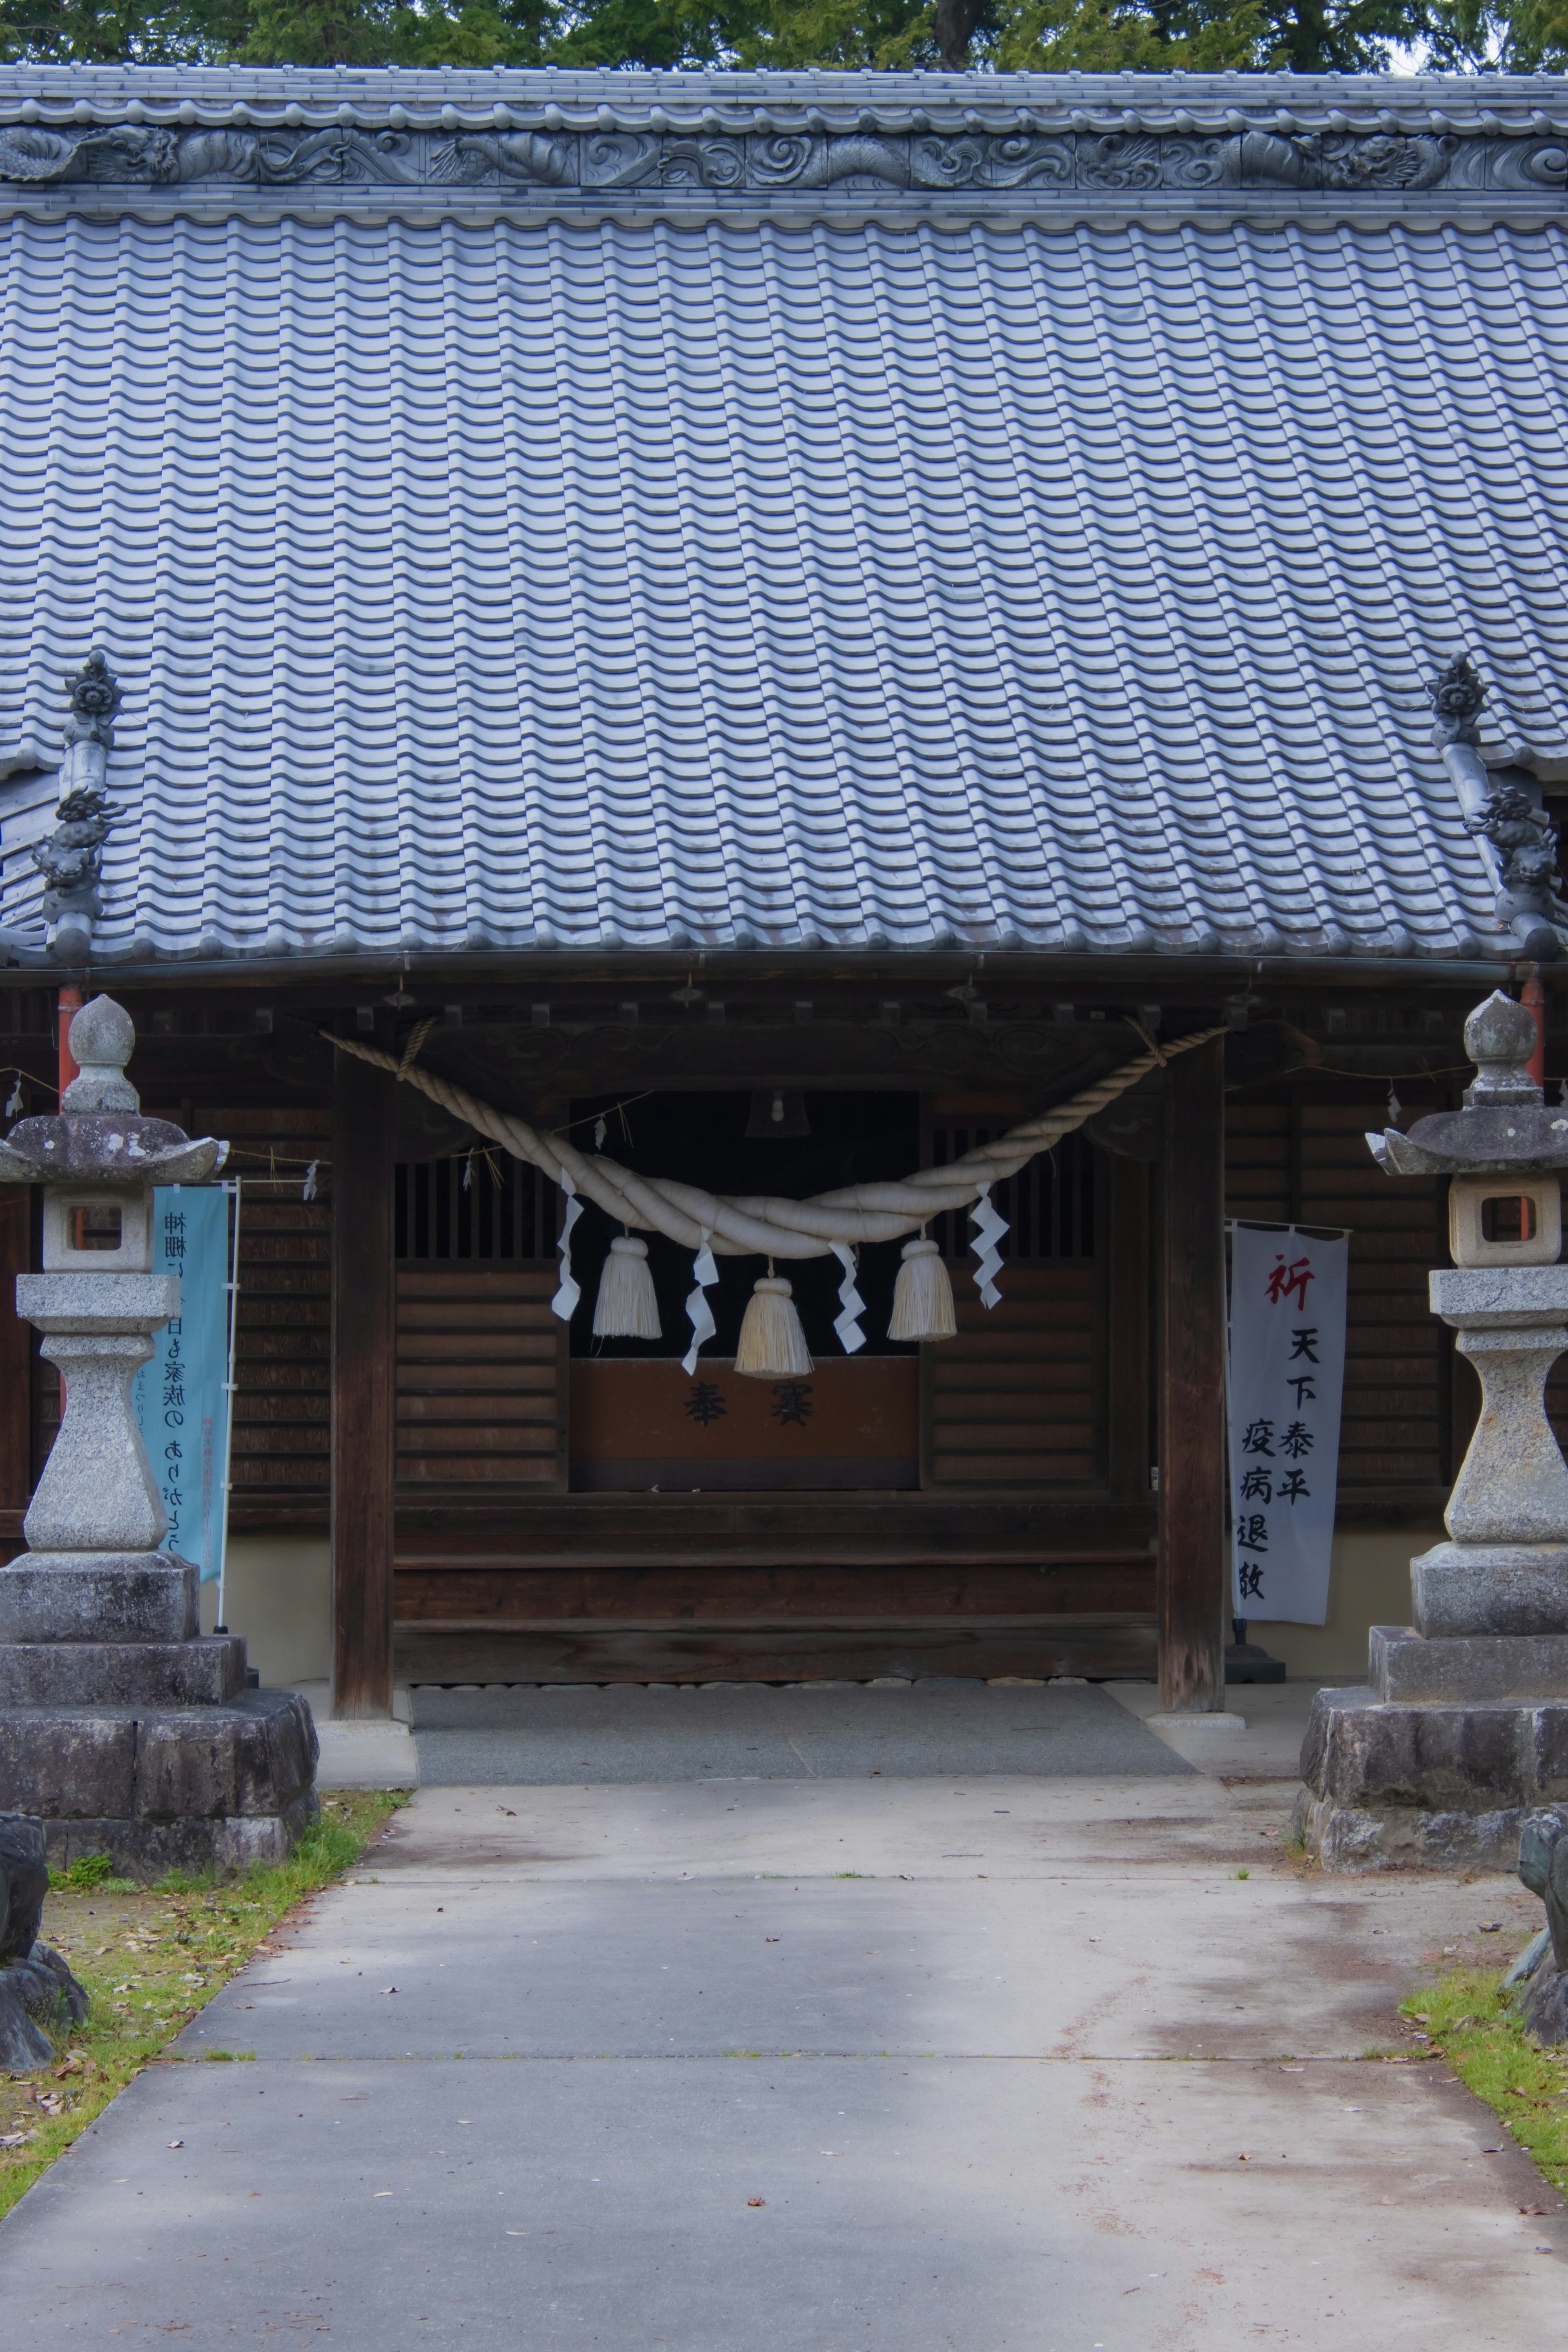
{"x": 1105, "y": 1648}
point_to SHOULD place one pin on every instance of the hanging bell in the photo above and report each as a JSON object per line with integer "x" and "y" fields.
{"x": 922, "y": 1294}
{"x": 627, "y": 1307}
{"x": 771, "y": 1344}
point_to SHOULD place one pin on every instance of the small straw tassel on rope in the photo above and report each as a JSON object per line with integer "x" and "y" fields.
{"x": 922, "y": 1295}
{"x": 771, "y": 1345}
{"x": 625, "y": 1307}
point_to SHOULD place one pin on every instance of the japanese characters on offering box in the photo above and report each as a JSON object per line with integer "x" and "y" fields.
{"x": 791, "y": 1403}
{"x": 1286, "y": 1380}
{"x": 181, "y": 1398}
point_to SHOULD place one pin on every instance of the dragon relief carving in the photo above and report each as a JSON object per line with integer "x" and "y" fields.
{"x": 785, "y": 160}
{"x": 1390, "y": 161}
{"x": 511, "y": 155}
{"x": 161, "y": 157}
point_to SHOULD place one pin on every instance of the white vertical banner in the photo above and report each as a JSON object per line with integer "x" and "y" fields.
{"x": 1285, "y": 1381}
{"x": 181, "y": 1398}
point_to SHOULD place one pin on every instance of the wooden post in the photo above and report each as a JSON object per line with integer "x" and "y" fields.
{"x": 1192, "y": 1585}
{"x": 1127, "y": 1329}
{"x": 364, "y": 1123}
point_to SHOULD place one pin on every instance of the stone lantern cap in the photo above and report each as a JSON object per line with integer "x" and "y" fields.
{"x": 98, "y": 1134}
{"x": 1506, "y": 1127}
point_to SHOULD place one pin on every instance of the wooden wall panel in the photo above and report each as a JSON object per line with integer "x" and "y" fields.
{"x": 481, "y": 1375}
{"x": 1015, "y": 1400}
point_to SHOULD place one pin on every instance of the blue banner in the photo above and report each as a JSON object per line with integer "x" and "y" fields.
{"x": 181, "y": 1398}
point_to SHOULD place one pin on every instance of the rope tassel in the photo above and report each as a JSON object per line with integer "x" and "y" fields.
{"x": 771, "y": 1345}
{"x": 627, "y": 1307}
{"x": 922, "y": 1295}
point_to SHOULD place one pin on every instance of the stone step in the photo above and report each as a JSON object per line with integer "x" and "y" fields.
{"x": 1404, "y": 1666}
{"x": 199, "y": 1673}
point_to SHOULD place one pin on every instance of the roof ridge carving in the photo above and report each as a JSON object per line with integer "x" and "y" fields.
{"x": 1222, "y": 142}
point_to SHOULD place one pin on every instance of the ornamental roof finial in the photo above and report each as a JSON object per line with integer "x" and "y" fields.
{"x": 1456, "y": 696}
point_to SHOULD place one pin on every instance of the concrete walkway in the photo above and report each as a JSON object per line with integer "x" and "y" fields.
{"x": 816, "y": 2064}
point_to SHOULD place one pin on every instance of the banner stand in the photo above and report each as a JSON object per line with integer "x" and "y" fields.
{"x": 232, "y": 1186}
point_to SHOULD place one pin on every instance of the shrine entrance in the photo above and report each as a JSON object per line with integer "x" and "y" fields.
{"x": 639, "y": 1423}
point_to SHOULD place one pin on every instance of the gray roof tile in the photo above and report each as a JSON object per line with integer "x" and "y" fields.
{"x": 602, "y": 582}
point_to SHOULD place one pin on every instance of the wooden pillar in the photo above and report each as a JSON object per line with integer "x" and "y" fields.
{"x": 1127, "y": 1329}
{"x": 1192, "y": 1585}
{"x": 364, "y": 1122}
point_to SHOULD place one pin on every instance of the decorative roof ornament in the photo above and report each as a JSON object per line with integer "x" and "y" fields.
{"x": 71, "y": 859}
{"x": 1502, "y": 808}
{"x": 1458, "y": 696}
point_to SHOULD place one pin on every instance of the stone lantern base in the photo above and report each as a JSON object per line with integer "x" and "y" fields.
{"x": 1462, "y": 1728}
{"x": 131, "y": 1734}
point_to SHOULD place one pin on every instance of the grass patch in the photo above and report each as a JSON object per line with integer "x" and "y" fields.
{"x": 1467, "y": 2017}
{"x": 151, "y": 1956}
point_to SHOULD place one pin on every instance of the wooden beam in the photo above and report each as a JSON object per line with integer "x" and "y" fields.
{"x": 1192, "y": 1584}
{"x": 364, "y": 1359}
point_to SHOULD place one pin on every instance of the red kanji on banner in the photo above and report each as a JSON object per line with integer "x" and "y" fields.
{"x": 1289, "y": 1281}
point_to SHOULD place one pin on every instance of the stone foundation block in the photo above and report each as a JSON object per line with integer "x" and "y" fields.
{"x": 251, "y": 1757}
{"x": 1406, "y": 1666}
{"x": 1351, "y": 1838}
{"x": 248, "y": 1756}
{"x": 139, "y": 1596}
{"x": 122, "y": 1674}
{"x": 1442, "y": 1757}
{"x": 146, "y": 1850}
{"x": 1510, "y": 1589}
{"x": 1438, "y": 1784}
{"x": 60, "y": 1761}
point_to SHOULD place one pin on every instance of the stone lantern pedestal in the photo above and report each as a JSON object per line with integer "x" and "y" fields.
{"x": 1462, "y": 1727}
{"x": 121, "y": 1726}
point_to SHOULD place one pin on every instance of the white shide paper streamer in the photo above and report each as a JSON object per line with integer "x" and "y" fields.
{"x": 989, "y": 1227}
{"x": 847, "y": 1325}
{"x": 565, "y": 1299}
{"x": 700, "y": 1315}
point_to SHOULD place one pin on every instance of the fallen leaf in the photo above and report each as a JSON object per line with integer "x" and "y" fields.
{"x": 757, "y": 2201}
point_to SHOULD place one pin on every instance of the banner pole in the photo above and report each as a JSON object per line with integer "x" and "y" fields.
{"x": 233, "y": 1287}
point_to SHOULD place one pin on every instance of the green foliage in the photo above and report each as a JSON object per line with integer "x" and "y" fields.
{"x": 88, "y": 1870}
{"x": 1471, "y": 2020}
{"x": 1008, "y": 36}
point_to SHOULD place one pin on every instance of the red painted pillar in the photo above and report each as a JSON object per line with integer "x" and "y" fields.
{"x": 70, "y": 1004}
{"x": 1532, "y": 996}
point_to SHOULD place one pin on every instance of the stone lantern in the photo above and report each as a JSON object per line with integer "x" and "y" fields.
{"x": 123, "y": 1726}
{"x": 1463, "y": 1726}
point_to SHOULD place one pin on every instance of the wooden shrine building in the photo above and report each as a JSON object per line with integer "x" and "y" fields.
{"x": 805, "y": 618}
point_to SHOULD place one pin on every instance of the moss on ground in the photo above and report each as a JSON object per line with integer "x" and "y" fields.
{"x": 151, "y": 1957}
{"x": 1469, "y": 2018}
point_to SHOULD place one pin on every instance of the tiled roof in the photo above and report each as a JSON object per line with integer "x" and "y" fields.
{"x": 527, "y": 582}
